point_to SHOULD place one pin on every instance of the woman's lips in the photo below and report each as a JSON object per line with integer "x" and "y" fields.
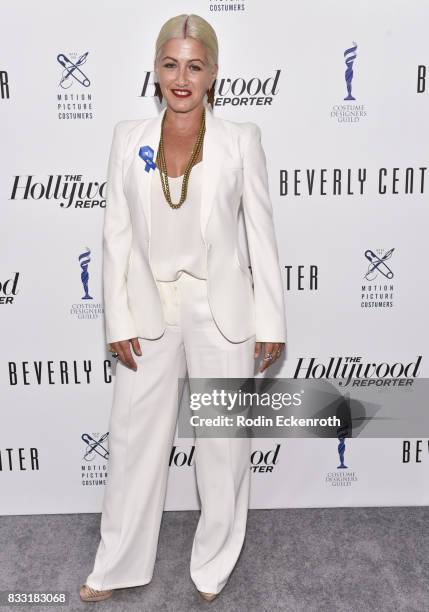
{"x": 181, "y": 93}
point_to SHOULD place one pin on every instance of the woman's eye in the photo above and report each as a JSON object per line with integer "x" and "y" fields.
{"x": 172, "y": 65}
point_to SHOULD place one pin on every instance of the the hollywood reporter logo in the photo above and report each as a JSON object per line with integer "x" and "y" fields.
{"x": 260, "y": 461}
{"x": 69, "y": 190}
{"x": 256, "y": 90}
{"x": 9, "y": 289}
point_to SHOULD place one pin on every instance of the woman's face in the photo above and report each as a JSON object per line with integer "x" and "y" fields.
{"x": 183, "y": 67}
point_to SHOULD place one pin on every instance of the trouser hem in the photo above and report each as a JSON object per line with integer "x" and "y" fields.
{"x": 124, "y": 585}
{"x": 206, "y": 589}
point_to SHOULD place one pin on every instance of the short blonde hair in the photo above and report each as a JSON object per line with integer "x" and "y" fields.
{"x": 192, "y": 25}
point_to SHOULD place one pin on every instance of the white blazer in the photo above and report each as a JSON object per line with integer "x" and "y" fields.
{"x": 243, "y": 303}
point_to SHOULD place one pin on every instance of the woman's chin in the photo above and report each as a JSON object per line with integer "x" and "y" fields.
{"x": 181, "y": 105}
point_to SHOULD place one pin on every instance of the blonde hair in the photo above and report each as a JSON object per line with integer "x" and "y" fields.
{"x": 196, "y": 27}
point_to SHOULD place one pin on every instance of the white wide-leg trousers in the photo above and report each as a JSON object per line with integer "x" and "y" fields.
{"x": 142, "y": 426}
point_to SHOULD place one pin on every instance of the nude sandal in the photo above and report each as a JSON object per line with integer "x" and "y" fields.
{"x": 207, "y": 596}
{"x": 87, "y": 593}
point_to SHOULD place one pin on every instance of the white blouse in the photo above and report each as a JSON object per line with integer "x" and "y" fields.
{"x": 176, "y": 243}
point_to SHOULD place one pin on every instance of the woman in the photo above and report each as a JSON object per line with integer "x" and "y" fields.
{"x": 179, "y": 299}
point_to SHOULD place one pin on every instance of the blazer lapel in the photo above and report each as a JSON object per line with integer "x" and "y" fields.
{"x": 213, "y": 155}
{"x": 150, "y": 136}
{"x": 213, "y": 152}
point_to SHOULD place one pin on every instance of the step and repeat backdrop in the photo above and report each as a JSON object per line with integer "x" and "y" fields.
{"x": 341, "y": 96}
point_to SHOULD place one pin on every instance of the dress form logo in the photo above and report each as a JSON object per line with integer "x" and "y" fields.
{"x": 86, "y": 308}
{"x": 70, "y": 191}
{"x": 74, "y": 100}
{"x": 348, "y": 112}
{"x": 233, "y": 91}
{"x": 377, "y": 292}
{"x": 84, "y": 259}
{"x": 343, "y": 476}
{"x": 350, "y": 56}
{"x": 95, "y": 459}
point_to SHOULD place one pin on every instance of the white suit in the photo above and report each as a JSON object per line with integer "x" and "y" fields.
{"x": 205, "y": 328}
{"x": 234, "y": 170}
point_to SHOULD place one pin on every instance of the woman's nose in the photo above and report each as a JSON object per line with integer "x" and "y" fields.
{"x": 182, "y": 78}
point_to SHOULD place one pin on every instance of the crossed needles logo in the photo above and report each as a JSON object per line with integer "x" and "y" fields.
{"x": 95, "y": 446}
{"x": 71, "y": 71}
{"x": 377, "y": 265}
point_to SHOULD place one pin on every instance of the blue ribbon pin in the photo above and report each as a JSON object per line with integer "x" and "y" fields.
{"x": 147, "y": 153}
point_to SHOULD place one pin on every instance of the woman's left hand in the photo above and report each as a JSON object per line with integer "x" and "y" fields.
{"x": 274, "y": 349}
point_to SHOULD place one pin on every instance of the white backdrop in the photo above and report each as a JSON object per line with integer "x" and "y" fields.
{"x": 55, "y": 140}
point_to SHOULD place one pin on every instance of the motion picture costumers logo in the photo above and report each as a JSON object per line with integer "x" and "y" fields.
{"x": 378, "y": 292}
{"x": 94, "y": 468}
{"x": 74, "y": 99}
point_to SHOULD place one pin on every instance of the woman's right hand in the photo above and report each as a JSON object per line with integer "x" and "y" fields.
{"x": 123, "y": 348}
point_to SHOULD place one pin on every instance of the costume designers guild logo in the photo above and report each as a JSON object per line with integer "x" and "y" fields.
{"x": 95, "y": 459}
{"x": 86, "y": 308}
{"x": 74, "y": 100}
{"x": 377, "y": 286}
{"x": 342, "y": 477}
{"x": 347, "y": 112}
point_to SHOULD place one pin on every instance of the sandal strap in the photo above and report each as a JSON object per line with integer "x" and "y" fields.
{"x": 93, "y": 592}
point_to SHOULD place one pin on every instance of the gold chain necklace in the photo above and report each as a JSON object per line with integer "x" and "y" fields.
{"x": 162, "y": 166}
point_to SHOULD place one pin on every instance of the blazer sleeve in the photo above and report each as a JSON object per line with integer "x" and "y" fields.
{"x": 264, "y": 259}
{"x": 117, "y": 238}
